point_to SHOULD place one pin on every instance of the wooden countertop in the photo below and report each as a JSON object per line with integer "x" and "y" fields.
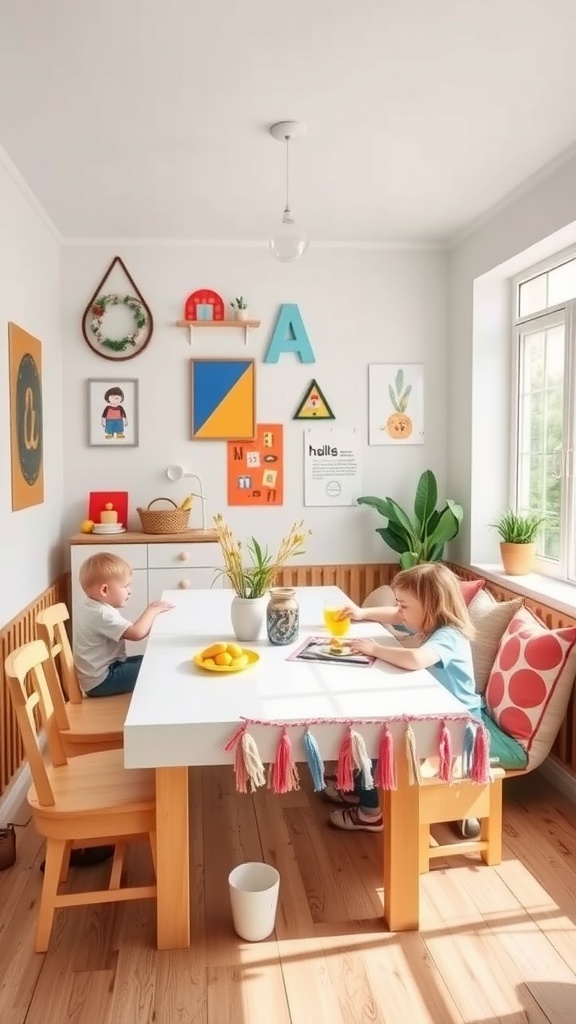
{"x": 138, "y": 537}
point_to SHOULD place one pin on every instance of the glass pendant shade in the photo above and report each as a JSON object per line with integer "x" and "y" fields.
{"x": 288, "y": 242}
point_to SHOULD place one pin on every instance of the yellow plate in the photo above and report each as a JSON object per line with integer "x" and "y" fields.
{"x": 253, "y": 657}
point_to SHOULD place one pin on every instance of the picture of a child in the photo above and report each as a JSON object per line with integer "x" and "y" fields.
{"x": 114, "y": 420}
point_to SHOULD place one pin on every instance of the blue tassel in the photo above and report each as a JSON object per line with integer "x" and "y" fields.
{"x": 468, "y": 749}
{"x": 315, "y": 762}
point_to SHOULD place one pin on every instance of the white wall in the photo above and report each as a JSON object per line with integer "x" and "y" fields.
{"x": 30, "y": 549}
{"x": 358, "y": 306}
{"x": 535, "y": 223}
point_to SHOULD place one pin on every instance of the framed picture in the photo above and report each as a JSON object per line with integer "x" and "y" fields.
{"x": 223, "y": 398}
{"x": 26, "y": 433}
{"x": 113, "y": 413}
{"x": 396, "y": 403}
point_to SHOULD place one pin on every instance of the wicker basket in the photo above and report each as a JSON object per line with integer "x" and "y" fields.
{"x": 166, "y": 520}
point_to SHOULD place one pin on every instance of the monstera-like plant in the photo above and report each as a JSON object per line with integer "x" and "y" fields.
{"x": 421, "y": 537}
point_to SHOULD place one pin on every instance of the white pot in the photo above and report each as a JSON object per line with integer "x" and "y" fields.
{"x": 241, "y": 314}
{"x": 248, "y": 615}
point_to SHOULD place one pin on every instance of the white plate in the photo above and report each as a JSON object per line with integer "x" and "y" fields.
{"x": 108, "y": 528}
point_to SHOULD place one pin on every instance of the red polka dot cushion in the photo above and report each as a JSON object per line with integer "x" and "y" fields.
{"x": 531, "y": 681}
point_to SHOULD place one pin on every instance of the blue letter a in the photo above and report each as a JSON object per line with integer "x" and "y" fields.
{"x": 289, "y": 336}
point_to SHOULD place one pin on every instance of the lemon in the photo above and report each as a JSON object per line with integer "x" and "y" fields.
{"x": 234, "y": 650}
{"x": 208, "y": 662}
{"x": 213, "y": 650}
{"x": 240, "y": 662}
{"x": 223, "y": 659}
{"x": 87, "y": 526}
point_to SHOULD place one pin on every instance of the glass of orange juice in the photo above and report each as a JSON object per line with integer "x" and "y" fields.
{"x": 334, "y": 624}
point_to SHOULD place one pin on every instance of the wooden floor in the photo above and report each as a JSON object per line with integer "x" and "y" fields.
{"x": 496, "y": 944}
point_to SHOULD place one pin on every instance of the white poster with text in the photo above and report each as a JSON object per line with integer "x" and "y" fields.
{"x": 331, "y": 467}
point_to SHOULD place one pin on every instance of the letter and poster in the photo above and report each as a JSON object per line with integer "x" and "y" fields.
{"x": 256, "y": 468}
{"x": 26, "y": 433}
{"x": 332, "y": 467}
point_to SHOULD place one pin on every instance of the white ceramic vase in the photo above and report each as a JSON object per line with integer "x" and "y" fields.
{"x": 248, "y": 615}
{"x": 242, "y": 314}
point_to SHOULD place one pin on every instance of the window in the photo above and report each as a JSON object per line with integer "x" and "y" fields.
{"x": 545, "y": 407}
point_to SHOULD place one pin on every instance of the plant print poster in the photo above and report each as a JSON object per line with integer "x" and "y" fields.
{"x": 396, "y": 403}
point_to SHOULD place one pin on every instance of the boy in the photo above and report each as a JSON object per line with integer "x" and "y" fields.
{"x": 100, "y": 630}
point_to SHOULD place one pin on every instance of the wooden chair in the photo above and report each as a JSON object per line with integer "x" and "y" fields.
{"x": 87, "y": 801}
{"x": 441, "y": 801}
{"x": 86, "y": 724}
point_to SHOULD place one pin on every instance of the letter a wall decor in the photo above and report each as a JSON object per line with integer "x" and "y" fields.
{"x": 26, "y": 433}
{"x": 289, "y": 335}
{"x": 223, "y": 399}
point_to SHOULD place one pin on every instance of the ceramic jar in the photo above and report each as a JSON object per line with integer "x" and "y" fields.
{"x": 248, "y": 615}
{"x": 282, "y": 616}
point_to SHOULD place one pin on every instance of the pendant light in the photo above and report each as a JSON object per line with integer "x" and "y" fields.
{"x": 288, "y": 241}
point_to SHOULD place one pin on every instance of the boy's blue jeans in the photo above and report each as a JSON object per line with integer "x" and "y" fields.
{"x": 121, "y": 678}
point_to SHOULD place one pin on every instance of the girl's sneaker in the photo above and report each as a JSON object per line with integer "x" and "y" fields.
{"x": 350, "y": 820}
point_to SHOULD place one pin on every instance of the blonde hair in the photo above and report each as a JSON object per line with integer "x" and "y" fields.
{"x": 438, "y": 591}
{"x": 102, "y": 568}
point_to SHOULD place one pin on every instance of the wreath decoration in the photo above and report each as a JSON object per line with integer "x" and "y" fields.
{"x": 141, "y": 321}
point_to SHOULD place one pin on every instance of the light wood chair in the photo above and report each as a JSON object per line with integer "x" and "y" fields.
{"x": 86, "y": 724}
{"x": 441, "y": 801}
{"x": 87, "y": 801}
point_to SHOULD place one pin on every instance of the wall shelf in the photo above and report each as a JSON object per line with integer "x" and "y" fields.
{"x": 246, "y": 325}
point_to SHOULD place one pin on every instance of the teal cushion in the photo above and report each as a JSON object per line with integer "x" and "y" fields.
{"x": 509, "y": 753}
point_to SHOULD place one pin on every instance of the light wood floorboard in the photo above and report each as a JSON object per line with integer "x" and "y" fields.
{"x": 495, "y": 945}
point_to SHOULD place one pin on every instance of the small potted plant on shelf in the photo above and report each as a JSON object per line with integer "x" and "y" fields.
{"x": 240, "y": 307}
{"x": 518, "y": 534}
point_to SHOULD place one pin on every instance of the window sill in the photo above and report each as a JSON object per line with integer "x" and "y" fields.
{"x": 556, "y": 593}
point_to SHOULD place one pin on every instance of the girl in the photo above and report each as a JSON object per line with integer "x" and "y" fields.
{"x": 428, "y": 603}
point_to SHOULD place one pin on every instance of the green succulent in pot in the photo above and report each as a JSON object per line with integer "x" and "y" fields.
{"x": 515, "y": 528}
{"x": 419, "y": 537}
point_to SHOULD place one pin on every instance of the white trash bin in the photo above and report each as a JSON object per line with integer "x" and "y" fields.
{"x": 254, "y": 890}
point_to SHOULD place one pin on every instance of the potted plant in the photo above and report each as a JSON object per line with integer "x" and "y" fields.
{"x": 420, "y": 538}
{"x": 252, "y": 580}
{"x": 240, "y": 307}
{"x": 518, "y": 534}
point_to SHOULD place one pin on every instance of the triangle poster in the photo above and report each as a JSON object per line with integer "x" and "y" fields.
{"x": 313, "y": 405}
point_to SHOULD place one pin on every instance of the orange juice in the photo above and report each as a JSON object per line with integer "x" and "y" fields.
{"x": 334, "y": 625}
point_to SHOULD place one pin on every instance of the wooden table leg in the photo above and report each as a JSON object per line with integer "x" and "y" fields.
{"x": 401, "y": 853}
{"x": 173, "y": 858}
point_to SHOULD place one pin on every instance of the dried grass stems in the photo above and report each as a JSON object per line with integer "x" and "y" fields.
{"x": 255, "y": 579}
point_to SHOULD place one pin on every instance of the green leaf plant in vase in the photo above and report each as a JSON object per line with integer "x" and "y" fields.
{"x": 252, "y": 571}
{"x": 518, "y": 535}
{"x": 419, "y": 537}
{"x": 240, "y": 307}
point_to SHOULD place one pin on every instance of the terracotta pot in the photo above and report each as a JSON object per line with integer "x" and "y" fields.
{"x": 518, "y": 559}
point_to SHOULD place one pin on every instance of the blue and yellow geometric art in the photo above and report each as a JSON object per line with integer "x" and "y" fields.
{"x": 223, "y": 399}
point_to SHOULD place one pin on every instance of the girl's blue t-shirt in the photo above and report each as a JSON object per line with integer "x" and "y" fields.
{"x": 454, "y": 668}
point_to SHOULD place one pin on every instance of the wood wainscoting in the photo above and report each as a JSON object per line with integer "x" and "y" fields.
{"x": 357, "y": 581}
{"x": 19, "y": 631}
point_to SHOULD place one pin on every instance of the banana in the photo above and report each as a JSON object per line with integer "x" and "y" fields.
{"x": 211, "y": 652}
{"x": 186, "y": 504}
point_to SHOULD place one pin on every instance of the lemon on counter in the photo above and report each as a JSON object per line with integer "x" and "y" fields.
{"x": 87, "y": 526}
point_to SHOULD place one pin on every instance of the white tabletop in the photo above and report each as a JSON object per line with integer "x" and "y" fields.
{"x": 182, "y": 715}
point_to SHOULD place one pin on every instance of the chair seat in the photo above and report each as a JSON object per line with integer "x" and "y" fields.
{"x": 97, "y": 718}
{"x": 93, "y": 785}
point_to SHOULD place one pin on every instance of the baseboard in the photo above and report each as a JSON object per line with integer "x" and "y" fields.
{"x": 560, "y": 776}
{"x": 13, "y": 798}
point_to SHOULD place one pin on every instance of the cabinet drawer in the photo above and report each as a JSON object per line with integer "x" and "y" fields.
{"x": 179, "y": 579}
{"x": 135, "y": 554}
{"x": 169, "y": 556}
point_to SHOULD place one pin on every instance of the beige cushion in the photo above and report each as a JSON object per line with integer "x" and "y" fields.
{"x": 380, "y": 598}
{"x": 490, "y": 619}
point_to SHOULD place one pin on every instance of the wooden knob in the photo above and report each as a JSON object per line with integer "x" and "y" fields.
{"x": 184, "y": 584}
{"x": 184, "y": 556}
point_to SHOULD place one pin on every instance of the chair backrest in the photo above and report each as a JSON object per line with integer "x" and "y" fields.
{"x": 51, "y": 627}
{"x": 29, "y": 691}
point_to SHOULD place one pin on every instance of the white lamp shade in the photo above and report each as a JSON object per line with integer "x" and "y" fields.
{"x": 288, "y": 242}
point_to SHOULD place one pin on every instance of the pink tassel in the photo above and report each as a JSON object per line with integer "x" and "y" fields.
{"x": 345, "y": 773}
{"x": 385, "y": 775}
{"x": 285, "y": 776}
{"x": 240, "y": 770}
{"x": 446, "y": 762}
{"x": 480, "y": 771}
{"x": 235, "y": 738}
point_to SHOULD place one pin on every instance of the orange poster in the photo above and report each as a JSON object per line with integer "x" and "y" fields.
{"x": 256, "y": 468}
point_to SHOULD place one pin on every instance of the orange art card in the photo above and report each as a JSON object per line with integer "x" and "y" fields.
{"x": 256, "y": 468}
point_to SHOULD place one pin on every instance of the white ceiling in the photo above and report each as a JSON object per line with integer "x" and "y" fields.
{"x": 148, "y": 118}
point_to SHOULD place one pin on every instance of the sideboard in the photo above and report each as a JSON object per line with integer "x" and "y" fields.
{"x": 159, "y": 562}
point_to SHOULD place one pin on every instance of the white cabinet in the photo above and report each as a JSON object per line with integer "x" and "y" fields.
{"x": 155, "y": 568}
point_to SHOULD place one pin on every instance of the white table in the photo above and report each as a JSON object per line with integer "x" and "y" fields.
{"x": 180, "y": 716}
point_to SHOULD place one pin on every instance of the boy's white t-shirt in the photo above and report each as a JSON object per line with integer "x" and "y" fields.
{"x": 98, "y": 632}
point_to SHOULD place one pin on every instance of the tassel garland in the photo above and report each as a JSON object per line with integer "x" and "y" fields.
{"x": 253, "y": 765}
{"x": 468, "y": 750}
{"x": 315, "y": 762}
{"x": 385, "y": 775}
{"x": 480, "y": 759}
{"x": 362, "y": 762}
{"x": 285, "y": 776}
{"x": 445, "y": 750}
{"x": 345, "y": 772}
{"x": 414, "y": 775}
{"x": 240, "y": 770}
